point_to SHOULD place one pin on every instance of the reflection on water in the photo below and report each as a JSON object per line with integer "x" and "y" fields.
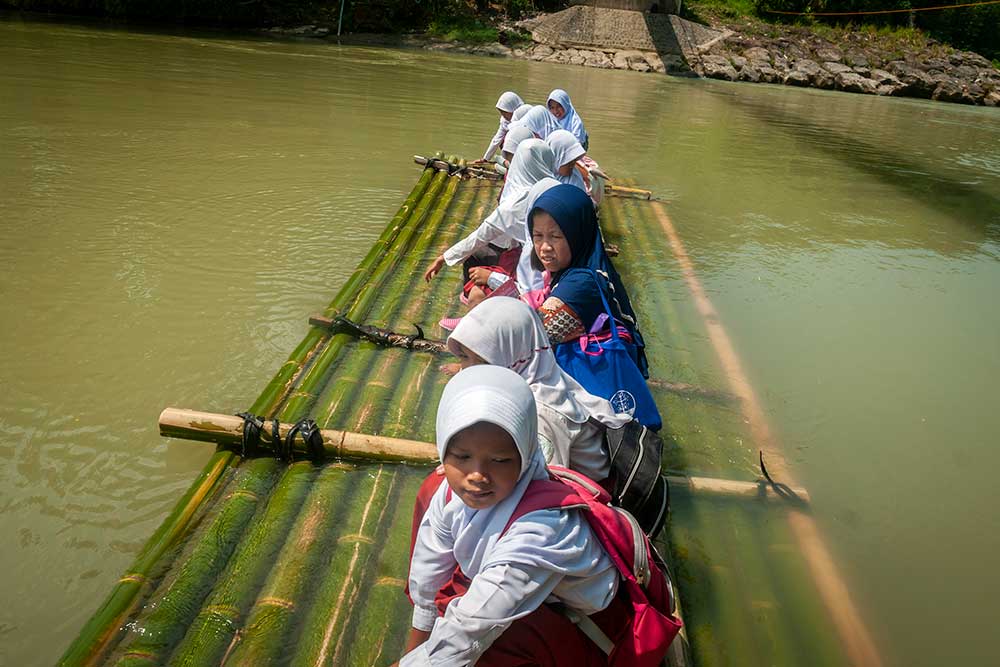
{"x": 175, "y": 206}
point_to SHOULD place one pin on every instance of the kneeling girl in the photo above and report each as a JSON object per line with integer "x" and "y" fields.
{"x": 482, "y": 589}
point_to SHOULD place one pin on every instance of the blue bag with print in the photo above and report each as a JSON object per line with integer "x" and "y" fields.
{"x": 605, "y": 366}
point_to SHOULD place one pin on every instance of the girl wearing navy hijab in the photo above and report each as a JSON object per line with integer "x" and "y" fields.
{"x": 568, "y": 245}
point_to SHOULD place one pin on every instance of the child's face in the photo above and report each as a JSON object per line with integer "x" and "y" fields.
{"x": 556, "y": 109}
{"x": 551, "y": 245}
{"x": 467, "y": 357}
{"x": 482, "y": 465}
{"x": 506, "y": 114}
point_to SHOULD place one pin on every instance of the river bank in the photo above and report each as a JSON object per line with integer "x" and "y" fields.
{"x": 856, "y": 60}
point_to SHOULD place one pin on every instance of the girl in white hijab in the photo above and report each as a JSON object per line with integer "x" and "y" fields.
{"x": 571, "y": 421}
{"x": 513, "y": 139}
{"x": 561, "y": 107}
{"x": 567, "y": 151}
{"x": 520, "y": 111}
{"x": 540, "y": 121}
{"x": 507, "y": 225}
{"x": 486, "y": 438}
{"x": 506, "y": 105}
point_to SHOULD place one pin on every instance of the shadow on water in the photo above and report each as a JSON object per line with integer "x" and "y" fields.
{"x": 962, "y": 201}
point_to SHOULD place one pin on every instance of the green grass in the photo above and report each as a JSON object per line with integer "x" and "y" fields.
{"x": 731, "y": 9}
{"x": 462, "y": 29}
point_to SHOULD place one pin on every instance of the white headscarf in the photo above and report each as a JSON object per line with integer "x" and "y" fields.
{"x": 514, "y": 138}
{"x": 509, "y": 101}
{"x": 520, "y": 111}
{"x": 498, "y": 396}
{"x": 507, "y": 332}
{"x": 571, "y": 121}
{"x": 539, "y": 120}
{"x": 532, "y": 162}
{"x": 567, "y": 149}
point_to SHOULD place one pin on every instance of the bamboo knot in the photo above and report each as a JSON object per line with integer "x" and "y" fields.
{"x": 355, "y": 538}
{"x": 243, "y": 492}
{"x": 390, "y": 581}
{"x": 227, "y": 612}
{"x": 276, "y": 602}
{"x": 141, "y": 655}
{"x": 134, "y": 578}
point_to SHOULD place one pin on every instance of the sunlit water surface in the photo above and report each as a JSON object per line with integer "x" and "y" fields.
{"x": 173, "y": 207}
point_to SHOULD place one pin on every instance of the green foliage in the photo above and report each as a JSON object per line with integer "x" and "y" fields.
{"x": 462, "y": 29}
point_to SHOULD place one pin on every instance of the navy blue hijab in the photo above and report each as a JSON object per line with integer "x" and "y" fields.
{"x": 573, "y": 211}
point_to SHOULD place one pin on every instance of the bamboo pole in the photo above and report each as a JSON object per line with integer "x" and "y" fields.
{"x": 266, "y": 632}
{"x": 311, "y": 379}
{"x": 225, "y": 611}
{"x": 278, "y": 387}
{"x": 97, "y": 635}
{"x": 860, "y": 647}
{"x": 153, "y": 635}
{"x": 377, "y": 626}
{"x": 227, "y": 430}
{"x": 359, "y": 525}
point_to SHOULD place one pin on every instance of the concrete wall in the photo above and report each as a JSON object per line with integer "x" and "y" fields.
{"x": 661, "y": 6}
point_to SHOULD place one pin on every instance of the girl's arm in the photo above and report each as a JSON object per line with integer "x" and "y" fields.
{"x": 560, "y": 321}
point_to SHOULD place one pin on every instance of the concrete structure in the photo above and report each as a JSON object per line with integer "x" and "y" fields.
{"x": 652, "y": 6}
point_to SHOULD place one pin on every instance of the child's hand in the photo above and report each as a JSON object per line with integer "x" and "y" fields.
{"x": 434, "y": 268}
{"x": 450, "y": 369}
{"x": 480, "y": 275}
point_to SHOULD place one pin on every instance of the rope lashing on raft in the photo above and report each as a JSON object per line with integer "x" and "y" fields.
{"x": 252, "y": 426}
{"x": 782, "y": 490}
{"x": 282, "y": 448}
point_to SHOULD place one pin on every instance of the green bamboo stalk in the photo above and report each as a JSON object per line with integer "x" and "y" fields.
{"x": 336, "y": 403}
{"x": 287, "y": 592}
{"x": 102, "y": 629}
{"x": 152, "y": 636}
{"x": 281, "y": 382}
{"x": 389, "y": 367}
{"x": 311, "y": 379}
{"x": 212, "y": 630}
{"x": 360, "y": 524}
{"x": 333, "y": 401}
{"x": 378, "y": 625}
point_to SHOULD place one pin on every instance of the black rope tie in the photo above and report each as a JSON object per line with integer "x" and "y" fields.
{"x": 311, "y": 436}
{"x": 250, "y": 442}
{"x": 276, "y": 438}
{"x": 783, "y": 490}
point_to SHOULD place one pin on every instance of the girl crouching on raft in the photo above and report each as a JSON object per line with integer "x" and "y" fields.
{"x": 571, "y": 421}
{"x": 482, "y": 590}
{"x": 506, "y": 105}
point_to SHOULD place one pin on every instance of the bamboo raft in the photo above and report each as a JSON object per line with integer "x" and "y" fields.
{"x": 276, "y": 562}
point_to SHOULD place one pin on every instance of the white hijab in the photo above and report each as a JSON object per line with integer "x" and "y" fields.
{"x": 571, "y": 121}
{"x": 507, "y": 332}
{"x": 540, "y": 121}
{"x": 498, "y": 396}
{"x": 520, "y": 111}
{"x": 566, "y": 149}
{"x": 532, "y": 162}
{"x": 514, "y": 138}
{"x": 509, "y": 101}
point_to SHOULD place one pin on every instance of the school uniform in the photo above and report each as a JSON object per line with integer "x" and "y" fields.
{"x": 571, "y": 120}
{"x": 509, "y": 101}
{"x": 496, "y": 581}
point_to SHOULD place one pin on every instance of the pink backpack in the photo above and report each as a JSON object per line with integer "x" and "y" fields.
{"x": 646, "y": 638}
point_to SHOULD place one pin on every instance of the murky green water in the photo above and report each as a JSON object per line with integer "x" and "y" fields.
{"x": 173, "y": 208}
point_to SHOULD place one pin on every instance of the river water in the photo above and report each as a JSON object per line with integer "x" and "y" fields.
{"x": 174, "y": 206}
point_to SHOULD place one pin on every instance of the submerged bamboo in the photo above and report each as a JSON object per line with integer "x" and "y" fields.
{"x": 98, "y": 634}
{"x": 152, "y": 636}
{"x": 859, "y": 645}
{"x": 224, "y": 612}
{"x": 265, "y": 634}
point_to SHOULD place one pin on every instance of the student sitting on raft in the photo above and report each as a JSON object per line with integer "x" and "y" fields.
{"x": 481, "y": 590}
{"x": 496, "y": 242}
{"x": 567, "y": 151}
{"x": 506, "y": 106}
{"x": 513, "y": 139}
{"x": 571, "y": 421}
{"x": 538, "y": 120}
{"x": 560, "y": 106}
{"x": 567, "y": 244}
